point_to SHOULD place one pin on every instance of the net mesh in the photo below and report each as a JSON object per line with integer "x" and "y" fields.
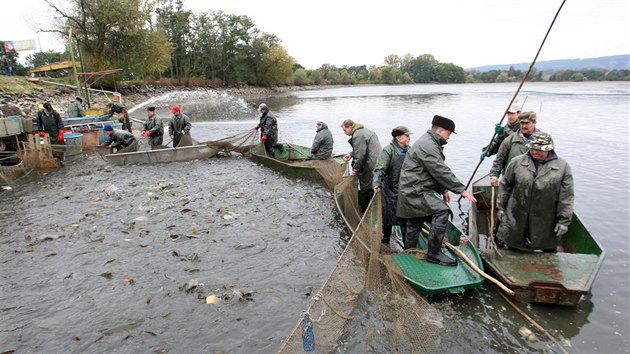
{"x": 365, "y": 304}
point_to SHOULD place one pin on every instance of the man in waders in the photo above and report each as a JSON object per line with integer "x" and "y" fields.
{"x": 268, "y": 128}
{"x": 365, "y": 151}
{"x": 119, "y": 139}
{"x": 425, "y": 180}
{"x": 179, "y": 127}
{"x": 49, "y": 122}
{"x": 386, "y": 178}
{"x": 502, "y": 132}
{"x": 153, "y": 128}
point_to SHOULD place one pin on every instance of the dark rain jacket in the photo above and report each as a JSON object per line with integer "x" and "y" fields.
{"x": 513, "y": 146}
{"x": 535, "y": 199}
{"x": 117, "y": 109}
{"x": 75, "y": 109}
{"x": 51, "y": 123}
{"x": 365, "y": 151}
{"x": 156, "y": 130}
{"x": 322, "y": 144}
{"x": 387, "y": 175}
{"x": 120, "y": 139}
{"x": 508, "y": 130}
{"x": 424, "y": 178}
{"x": 177, "y": 125}
{"x": 269, "y": 127}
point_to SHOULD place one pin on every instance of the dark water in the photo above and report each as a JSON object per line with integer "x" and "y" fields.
{"x": 52, "y": 290}
{"x": 98, "y": 259}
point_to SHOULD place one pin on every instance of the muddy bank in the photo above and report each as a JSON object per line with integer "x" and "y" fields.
{"x": 98, "y": 258}
{"x": 26, "y": 104}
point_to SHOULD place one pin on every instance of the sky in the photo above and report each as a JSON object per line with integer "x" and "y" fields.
{"x": 467, "y": 33}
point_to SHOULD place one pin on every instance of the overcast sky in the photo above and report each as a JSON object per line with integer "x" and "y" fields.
{"x": 467, "y": 33}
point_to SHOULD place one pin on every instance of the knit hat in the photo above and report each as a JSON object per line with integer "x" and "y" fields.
{"x": 108, "y": 128}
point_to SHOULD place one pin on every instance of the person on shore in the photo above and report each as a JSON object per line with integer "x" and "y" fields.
{"x": 75, "y": 108}
{"x": 322, "y": 144}
{"x": 49, "y": 122}
{"x": 121, "y": 112}
{"x": 365, "y": 151}
{"x": 514, "y": 145}
{"x": 117, "y": 140}
{"x": 535, "y": 203}
{"x": 268, "y": 126}
{"x": 386, "y": 178}
{"x": 502, "y": 132}
{"x": 425, "y": 180}
{"x": 179, "y": 128}
{"x": 153, "y": 128}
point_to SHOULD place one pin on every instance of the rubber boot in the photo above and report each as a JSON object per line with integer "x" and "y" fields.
{"x": 387, "y": 233}
{"x": 435, "y": 255}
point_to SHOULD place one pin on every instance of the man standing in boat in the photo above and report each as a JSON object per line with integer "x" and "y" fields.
{"x": 75, "y": 108}
{"x": 121, "y": 111}
{"x": 535, "y": 198}
{"x": 322, "y": 144}
{"x": 49, "y": 122}
{"x": 514, "y": 145}
{"x": 179, "y": 128}
{"x": 502, "y": 132}
{"x": 153, "y": 128}
{"x": 365, "y": 151}
{"x": 117, "y": 140}
{"x": 425, "y": 180}
{"x": 386, "y": 178}
{"x": 268, "y": 128}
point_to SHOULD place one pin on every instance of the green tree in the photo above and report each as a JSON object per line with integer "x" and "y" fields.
{"x": 423, "y": 68}
{"x": 174, "y": 21}
{"x": 300, "y": 77}
{"x": 276, "y": 67}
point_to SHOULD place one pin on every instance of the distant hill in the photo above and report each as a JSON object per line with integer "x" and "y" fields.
{"x": 618, "y": 62}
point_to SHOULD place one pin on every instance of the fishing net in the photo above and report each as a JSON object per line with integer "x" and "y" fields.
{"x": 241, "y": 143}
{"x": 17, "y": 165}
{"x": 365, "y": 304}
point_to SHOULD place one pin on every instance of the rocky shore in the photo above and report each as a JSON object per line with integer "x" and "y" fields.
{"x": 26, "y": 104}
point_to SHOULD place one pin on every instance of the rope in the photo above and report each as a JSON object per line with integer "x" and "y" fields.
{"x": 490, "y": 244}
{"x": 531, "y": 66}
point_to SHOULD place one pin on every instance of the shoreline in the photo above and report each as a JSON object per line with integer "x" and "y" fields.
{"x": 26, "y": 104}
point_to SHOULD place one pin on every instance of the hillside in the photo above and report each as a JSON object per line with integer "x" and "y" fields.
{"x": 613, "y": 62}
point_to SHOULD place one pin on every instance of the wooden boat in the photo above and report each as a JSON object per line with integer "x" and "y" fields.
{"x": 426, "y": 278}
{"x": 179, "y": 154}
{"x": 291, "y": 160}
{"x": 561, "y": 278}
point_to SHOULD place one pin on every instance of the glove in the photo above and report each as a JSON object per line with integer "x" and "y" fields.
{"x": 560, "y": 230}
{"x": 257, "y": 127}
{"x": 60, "y": 136}
{"x": 500, "y": 214}
{"x": 484, "y": 152}
{"x": 264, "y": 138}
{"x": 498, "y": 129}
{"x": 42, "y": 133}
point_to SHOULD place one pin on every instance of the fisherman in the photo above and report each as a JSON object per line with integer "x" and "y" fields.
{"x": 121, "y": 111}
{"x": 268, "y": 126}
{"x": 179, "y": 127}
{"x": 425, "y": 180}
{"x": 322, "y": 144}
{"x": 75, "y": 108}
{"x": 117, "y": 140}
{"x": 49, "y": 122}
{"x": 386, "y": 178}
{"x": 514, "y": 145}
{"x": 365, "y": 151}
{"x": 502, "y": 132}
{"x": 535, "y": 203}
{"x": 153, "y": 128}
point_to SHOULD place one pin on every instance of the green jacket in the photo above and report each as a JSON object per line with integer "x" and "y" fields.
{"x": 384, "y": 161}
{"x": 508, "y": 130}
{"x": 514, "y": 145}
{"x": 179, "y": 124}
{"x": 322, "y": 144}
{"x": 424, "y": 178}
{"x": 535, "y": 199}
{"x": 120, "y": 138}
{"x": 75, "y": 109}
{"x": 365, "y": 151}
{"x": 50, "y": 123}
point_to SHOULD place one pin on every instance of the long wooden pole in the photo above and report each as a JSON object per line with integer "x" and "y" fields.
{"x": 531, "y": 66}
{"x": 472, "y": 265}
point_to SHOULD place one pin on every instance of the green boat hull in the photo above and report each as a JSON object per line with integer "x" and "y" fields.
{"x": 561, "y": 278}
{"x": 426, "y": 278}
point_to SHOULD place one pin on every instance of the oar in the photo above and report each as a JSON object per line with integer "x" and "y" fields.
{"x": 472, "y": 265}
{"x": 296, "y": 150}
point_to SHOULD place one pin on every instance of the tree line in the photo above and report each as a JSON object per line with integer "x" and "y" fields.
{"x": 160, "y": 42}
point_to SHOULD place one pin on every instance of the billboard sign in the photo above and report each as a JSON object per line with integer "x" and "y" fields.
{"x": 13, "y": 46}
